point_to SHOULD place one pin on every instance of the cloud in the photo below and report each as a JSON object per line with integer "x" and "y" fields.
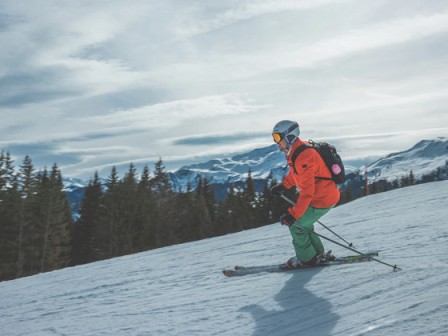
{"x": 237, "y": 55}
{"x": 37, "y": 86}
{"x": 27, "y": 148}
{"x": 243, "y": 11}
{"x": 217, "y": 139}
{"x": 171, "y": 114}
{"x": 373, "y": 36}
{"x": 53, "y": 49}
{"x": 43, "y": 154}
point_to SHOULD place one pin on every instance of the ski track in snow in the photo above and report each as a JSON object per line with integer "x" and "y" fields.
{"x": 180, "y": 290}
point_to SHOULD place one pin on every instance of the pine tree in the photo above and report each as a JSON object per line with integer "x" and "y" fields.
{"x": 166, "y": 226}
{"x": 160, "y": 182}
{"x": 395, "y": 184}
{"x": 88, "y": 233}
{"x": 56, "y": 223}
{"x": 27, "y": 175}
{"x": 348, "y": 194}
{"x": 27, "y": 187}
{"x": 201, "y": 217}
{"x": 373, "y": 188}
{"x": 411, "y": 178}
{"x": 201, "y": 211}
{"x": 111, "y": 218}
{"x": 404, "y": 181}
{"x": 232, "y": 214}
{"x": 128, "y": 209}
{"x": 222, "y": 223}
{"x": 186, "y": 218}
{"x": 145, "y": 237}
{"x": 209, "y": 197}
{"x": 249, "y": 203}
{"x": 265, "y": 205}
{"x": 3, "y": 178}
{"x": 6, "y": 170}
{"x": 10, "y": 219}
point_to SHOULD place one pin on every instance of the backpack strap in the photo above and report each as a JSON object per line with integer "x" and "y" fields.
{"x": 297, "y": 152}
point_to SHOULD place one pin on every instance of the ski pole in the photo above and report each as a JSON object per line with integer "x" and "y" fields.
{"x": 395, "y": 267}
{"x": 292, "y": 203}
{"x": 349, "y": 244}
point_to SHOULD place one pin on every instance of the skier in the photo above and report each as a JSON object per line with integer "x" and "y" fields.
{"x": 317, "y": 196}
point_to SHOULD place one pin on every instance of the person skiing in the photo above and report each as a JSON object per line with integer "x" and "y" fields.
{"x": 317, "y": 196}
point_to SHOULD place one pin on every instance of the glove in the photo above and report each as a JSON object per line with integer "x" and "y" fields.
{"x": 287, "y": 219}
{"x": 278, "y": 189}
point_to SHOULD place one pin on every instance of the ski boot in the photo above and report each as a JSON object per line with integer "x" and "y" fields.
{"x": 325, "y": 257}
{"x": 293, "y": 262}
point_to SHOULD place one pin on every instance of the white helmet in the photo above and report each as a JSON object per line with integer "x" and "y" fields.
{"x": 286, "y": 129}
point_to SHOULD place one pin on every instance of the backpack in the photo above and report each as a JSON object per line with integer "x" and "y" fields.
{"x": 330, "y": 156}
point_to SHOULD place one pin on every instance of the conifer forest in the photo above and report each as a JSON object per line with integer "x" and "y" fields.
{"x": 135, "y": 213}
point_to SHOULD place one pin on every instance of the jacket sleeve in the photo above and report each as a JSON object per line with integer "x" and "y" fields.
{"x": 306, "y": 167}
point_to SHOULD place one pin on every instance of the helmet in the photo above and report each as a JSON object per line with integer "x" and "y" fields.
{"x": 286, "y": 129}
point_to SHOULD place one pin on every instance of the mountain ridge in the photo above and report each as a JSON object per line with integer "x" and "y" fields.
{"x": 269, "y": 163}
{"x": 424, "y": 157}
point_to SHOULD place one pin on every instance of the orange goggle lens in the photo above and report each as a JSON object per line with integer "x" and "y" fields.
{"x": 277, "y": 137}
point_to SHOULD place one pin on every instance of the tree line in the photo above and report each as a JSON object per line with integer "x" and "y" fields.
{"x": 357, "y": 187}
{"x": 120, "y": 216}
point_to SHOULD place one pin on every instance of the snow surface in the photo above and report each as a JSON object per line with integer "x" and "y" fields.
{"x": 180, "y": 290}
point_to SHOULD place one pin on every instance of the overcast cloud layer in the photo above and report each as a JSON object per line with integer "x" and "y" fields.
{"x": 92, "y": 84}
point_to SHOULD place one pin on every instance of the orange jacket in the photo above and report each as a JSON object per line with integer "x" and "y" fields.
{"x": 315, "y": 192}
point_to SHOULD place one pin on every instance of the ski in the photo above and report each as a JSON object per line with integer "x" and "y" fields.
{"x": 246, "y": 270}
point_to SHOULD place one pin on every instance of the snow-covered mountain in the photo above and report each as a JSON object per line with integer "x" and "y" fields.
{"x": 180, "y": 290}
{"x": 264, "y": 163}
{"x": 71, "y": 184}
{"x": 425, "y": 157}
{"x": 75, "y": 190}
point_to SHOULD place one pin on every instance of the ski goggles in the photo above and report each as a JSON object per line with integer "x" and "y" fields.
{"x": 279, "y": 136}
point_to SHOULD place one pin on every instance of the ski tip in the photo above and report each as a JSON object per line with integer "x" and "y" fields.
{"x": 228, "y": 273}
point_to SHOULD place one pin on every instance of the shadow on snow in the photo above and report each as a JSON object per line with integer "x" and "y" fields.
{"x": 301, "y": 313}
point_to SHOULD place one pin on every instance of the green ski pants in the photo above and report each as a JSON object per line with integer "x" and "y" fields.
{"x": 306, "y": 243}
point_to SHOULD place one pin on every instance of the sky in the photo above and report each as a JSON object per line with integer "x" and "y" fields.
{"x": 94, "y": 84}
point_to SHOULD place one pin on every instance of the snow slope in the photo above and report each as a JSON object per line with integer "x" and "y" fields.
{"x": 180, "y": 290}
